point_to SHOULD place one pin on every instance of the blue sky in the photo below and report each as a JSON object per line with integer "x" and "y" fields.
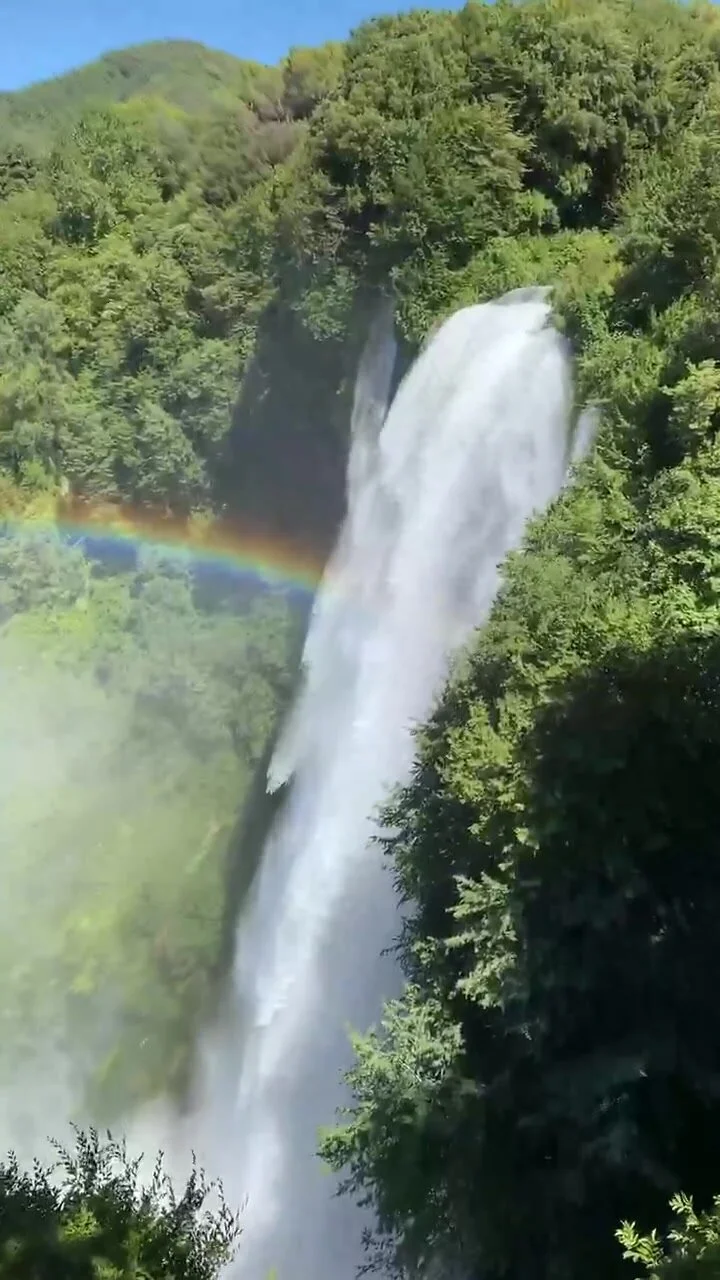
{"x": 42, "y": 38}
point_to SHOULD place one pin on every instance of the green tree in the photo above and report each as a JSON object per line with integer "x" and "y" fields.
{"x": 18, "y": 170}
{"x": 90, "y": 1216}
{"x": 309, "y": 76}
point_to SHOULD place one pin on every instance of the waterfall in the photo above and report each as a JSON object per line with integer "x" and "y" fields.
{"x": 475, "y": 442}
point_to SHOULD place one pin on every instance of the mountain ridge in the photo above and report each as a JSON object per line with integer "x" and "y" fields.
{"x": 187, "y": 74}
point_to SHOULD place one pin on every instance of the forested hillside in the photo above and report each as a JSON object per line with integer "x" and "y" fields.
{"x": 179, "y": 72}
{"x": 140, "y": 688}
{"x": 184, "y": 286}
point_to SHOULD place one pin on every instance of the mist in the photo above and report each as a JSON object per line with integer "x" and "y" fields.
{"x": 60, "y": 795}
{"x": 132, "y": 721}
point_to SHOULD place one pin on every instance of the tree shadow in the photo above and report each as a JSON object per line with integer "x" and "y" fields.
{"x": 283, "y": 467}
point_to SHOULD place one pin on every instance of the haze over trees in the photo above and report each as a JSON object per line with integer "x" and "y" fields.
{"x": 186, "y": 267}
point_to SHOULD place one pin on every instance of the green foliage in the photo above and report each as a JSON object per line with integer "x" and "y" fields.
{"x": 309, "y": 76}
{"x": 17, "y": 170}
{"x": 592, "y": 86}
{"x": 692, "y": 1249}
{"x": 440, "y": 150}
{"x": 91, "y": 1217}
{"x": 551, "y": 1066}
{"x": 180, "y": 72}
{"x": 120, "y": 360}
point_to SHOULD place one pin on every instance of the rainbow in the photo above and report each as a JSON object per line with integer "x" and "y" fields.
{"x": 224, "y": 545}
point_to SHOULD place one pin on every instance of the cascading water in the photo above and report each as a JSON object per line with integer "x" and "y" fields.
{"x": 476, "y": 441}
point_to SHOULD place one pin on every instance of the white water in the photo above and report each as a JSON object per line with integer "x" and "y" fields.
{"x": 475, "y": 442}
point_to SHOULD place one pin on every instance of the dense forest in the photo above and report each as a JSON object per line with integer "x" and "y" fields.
{"x": 189, "y": 250}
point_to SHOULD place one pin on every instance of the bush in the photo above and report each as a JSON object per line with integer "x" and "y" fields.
{"x": 89, "y": 1217}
